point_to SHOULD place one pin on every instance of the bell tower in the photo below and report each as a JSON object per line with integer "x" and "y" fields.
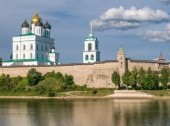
{"x": 91, "y": 51}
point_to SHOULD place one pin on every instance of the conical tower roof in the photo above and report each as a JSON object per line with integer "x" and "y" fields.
{"x": 25, "y": 24}
{"x": 121, "y": 51}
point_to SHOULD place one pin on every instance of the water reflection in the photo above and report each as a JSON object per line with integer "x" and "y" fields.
{"x": 84, "y": 112}
{"x": 141, "y": 113}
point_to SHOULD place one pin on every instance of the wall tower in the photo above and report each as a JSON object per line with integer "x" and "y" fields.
{"x": 121, "y": 57}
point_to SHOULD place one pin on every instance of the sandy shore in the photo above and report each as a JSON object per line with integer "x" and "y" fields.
{"x": 78, "y": 97}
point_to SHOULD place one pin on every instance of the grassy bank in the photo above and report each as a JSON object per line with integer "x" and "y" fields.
{"x": 158, "y": 92}
{"x": 51, "y": 84}
{"x": 70, "y": 93}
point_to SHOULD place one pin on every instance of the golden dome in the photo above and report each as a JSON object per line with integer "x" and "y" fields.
{"x": 35, "y": 18}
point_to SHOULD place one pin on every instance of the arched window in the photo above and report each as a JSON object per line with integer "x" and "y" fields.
{"x": 37, "y": 47}
{"x": 86, "y": 57}
{"x": 31, "y": 47}
{"x": 46, "y": 48}
{"x": 42, "y": 56}
{"x": 23, "y": 56}
{"x": 24, "y": 47}
{"x": 92, "y": 57}
{"x": 17, "y": 47}
{"x": 31, "y": 55}
{"x": 41, "y": 48}
{"x": 89, "y": 46}
{"x": 37, "y": 56}
{"x": 16, "y": 56}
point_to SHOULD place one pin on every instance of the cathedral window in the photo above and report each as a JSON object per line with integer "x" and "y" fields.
{"x": 31, "y": 47}
{"x": 46, "y": 48}
{"x": 17, "y": 47}
{"x": 16, "y": 56}
{"x": 87, "y": 57}
{"x": 37, "y": 47}
{"x": 89, "y": 46}
{"x": 24, "y": 47}
{"x": 42, "y": 56}
{"x": 92, "y": 57}
{"x": 31, "y": 55}
{"x": 41, "y": 48}
{"x": 23, "y": 56}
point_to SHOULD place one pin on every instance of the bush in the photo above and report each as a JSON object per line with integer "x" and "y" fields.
{"x": 51, "y": 94}
{"x": 68, "y": 79}
{"x": 5, "y": 82}
{"x": 33, "y": 77}
{"x": 95, "y": 91}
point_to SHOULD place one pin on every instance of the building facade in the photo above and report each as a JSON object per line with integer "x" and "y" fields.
{"x": 34, "y": 46}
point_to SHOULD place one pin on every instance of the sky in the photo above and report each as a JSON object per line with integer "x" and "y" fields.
{"x": 142, "y": 27}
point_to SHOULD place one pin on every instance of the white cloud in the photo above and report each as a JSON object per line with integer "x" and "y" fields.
{"x": 157, "y": 35}
{"x": 121, "y": 18}
{"x": 104, "y": 25}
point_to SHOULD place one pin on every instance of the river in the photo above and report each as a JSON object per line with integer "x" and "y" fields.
{"x": 89, "y": 112}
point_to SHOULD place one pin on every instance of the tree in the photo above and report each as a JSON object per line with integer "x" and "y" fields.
{"x": 68, "y": 79}
{"x": 126, "y": 78}
{"x": 152, "y": 80}
{"x": 116, "y": 78}
{"x": 0, "y": 61}
{"x": 164, "y": 78}
{"x": 141, "y": 80}
{"x": 133, "y": 78}
{"x": 33, "y": 77}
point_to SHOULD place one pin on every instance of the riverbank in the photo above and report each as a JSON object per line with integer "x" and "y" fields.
{"x": 100, "y": 94}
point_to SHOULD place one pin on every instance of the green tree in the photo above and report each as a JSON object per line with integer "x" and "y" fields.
{"x": 152, "y": 80}
{"x": 116, "y": 78}
{"x": 141, "y": 80}
{"x": 133, "y": 78}
{"x": 5, "y": 82}
{"x": 164, "y": 78}
{"x": 33, "y": 77}
{"x": 57, "y": 75}
{"x": 68, "y": 79}
{"x": 126, "y": 78}
{"x": 0, "y": 61}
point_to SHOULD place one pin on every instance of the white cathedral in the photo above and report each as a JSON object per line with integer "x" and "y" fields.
{"x": 34, "y": 46}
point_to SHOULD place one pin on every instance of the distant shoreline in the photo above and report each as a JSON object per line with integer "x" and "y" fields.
{"x": 81, "y": 97}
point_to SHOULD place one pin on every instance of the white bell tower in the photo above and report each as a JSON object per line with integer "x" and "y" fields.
{"x": 91, "y": 51}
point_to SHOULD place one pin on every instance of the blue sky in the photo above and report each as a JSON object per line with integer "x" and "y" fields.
{"x": 141, "y": 26}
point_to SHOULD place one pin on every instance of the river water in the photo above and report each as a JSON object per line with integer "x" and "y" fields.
{"x": 89, "y": 112}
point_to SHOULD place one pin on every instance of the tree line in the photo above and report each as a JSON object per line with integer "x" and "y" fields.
{"x": 142, "y": 80}
{"x": 35, "y": 83}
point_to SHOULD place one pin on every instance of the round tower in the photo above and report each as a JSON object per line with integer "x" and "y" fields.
{"x": 121, "y": 61}
{"x": 25, "y": 27}
{"x": 39, "y": 28}
{"x": 47, "y": 28}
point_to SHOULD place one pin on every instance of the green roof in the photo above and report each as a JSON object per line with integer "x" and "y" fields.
{"x": 28, "y": 34}
{"x": 28, "y": 60}
{"x": 91, "y": 37}
{"x": 121, "y": 51}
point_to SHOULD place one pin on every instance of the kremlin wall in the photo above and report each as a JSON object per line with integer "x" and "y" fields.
{"x": 95, "y": 74}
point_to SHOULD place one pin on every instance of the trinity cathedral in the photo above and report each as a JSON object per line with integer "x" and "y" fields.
{"x": 34, "y": 46}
